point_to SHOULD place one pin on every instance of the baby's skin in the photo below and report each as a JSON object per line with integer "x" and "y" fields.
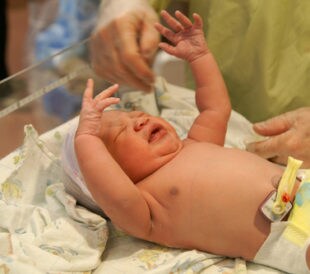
{"x": 192, "y": 193}
{"x": 185, "y": 194}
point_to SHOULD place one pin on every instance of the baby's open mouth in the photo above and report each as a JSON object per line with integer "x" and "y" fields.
{"x": 156, "y": 133}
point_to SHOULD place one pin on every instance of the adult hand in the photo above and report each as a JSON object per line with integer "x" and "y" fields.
{"x": 124, "y": 43}
{"x": 289, "y": 135}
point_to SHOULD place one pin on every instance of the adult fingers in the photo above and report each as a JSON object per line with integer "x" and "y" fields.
{"x": 267, "y": 149}
{"x": 149, "y": 39}
{"x": 143, "y": 38}
{"x": 290, "y": 136}
{"x": 280, "y": 159}
{"x": 293, "y": 143}
{"x": 275, "y": 125}
{"x": 114, "y": 64}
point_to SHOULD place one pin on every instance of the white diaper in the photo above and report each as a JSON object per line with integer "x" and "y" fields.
{"x": 280, "y": 253}
{"x": 286, "y": 246}
{"x": 74, "y": 182}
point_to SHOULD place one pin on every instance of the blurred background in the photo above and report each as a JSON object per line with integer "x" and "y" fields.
{"x": 44, "y": 64}
{"x": 31, "y": 32}
{"x": 14, "y": 30}
{"x": 17, "y": 29}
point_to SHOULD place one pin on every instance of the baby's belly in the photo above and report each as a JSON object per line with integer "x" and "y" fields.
{"x": 213, "y": 195}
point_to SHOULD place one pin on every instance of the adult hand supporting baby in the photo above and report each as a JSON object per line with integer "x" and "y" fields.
{"x": 289, "y": 135}
{"x": 124, "y": 43}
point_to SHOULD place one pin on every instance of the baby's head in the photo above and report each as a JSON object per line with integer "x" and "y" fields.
{"x": 139, "y": 142}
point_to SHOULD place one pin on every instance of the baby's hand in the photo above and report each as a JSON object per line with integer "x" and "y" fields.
{"x": 92, "y": 108}
{"x": 187, "y": 37}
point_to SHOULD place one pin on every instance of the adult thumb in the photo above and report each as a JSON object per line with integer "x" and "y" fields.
{"x": 149, "y": 40}
{"x": 273, "y": 126}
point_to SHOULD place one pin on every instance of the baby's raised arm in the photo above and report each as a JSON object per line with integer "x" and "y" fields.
{"x": 212, "y": 99}
{"x": 112, "y": 189}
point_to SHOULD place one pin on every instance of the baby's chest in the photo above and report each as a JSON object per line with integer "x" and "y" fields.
{"x": 178, "y": 188}
{"x": 197, "y": 179}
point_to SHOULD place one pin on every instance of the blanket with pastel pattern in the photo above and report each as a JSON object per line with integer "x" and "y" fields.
{"x": 44, "y": 230}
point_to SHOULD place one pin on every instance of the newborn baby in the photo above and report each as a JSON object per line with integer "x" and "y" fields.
{"x": 191, "y": 193}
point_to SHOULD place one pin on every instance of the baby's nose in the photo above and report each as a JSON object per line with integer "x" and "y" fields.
{"x": 140, "y": 123}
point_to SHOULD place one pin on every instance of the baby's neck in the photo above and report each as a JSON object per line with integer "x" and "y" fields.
{"x": 140, "y": 173}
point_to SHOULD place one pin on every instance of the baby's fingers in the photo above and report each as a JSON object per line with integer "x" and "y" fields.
{"x": 167, "y": 48}
{"x": 107, "y": 92}
{"x": 167, "y": 33}
{"x": 171, "y": 22}
{"x": 88, "y": 93}
{"x": 197, "y": 20}
{"x": 184, "y": 20}
{"x": 103, "y": 104}
{"x": 105, "y": 99}
{"x": 102, "y": 100}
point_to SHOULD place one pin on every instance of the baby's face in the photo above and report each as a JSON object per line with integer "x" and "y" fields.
{"x": 139, "y": 142}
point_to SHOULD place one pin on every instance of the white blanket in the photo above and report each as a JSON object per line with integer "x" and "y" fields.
{"x": 42, "y": 230}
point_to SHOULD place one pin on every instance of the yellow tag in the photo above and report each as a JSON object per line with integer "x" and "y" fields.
{"x": 286, "y": 186}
